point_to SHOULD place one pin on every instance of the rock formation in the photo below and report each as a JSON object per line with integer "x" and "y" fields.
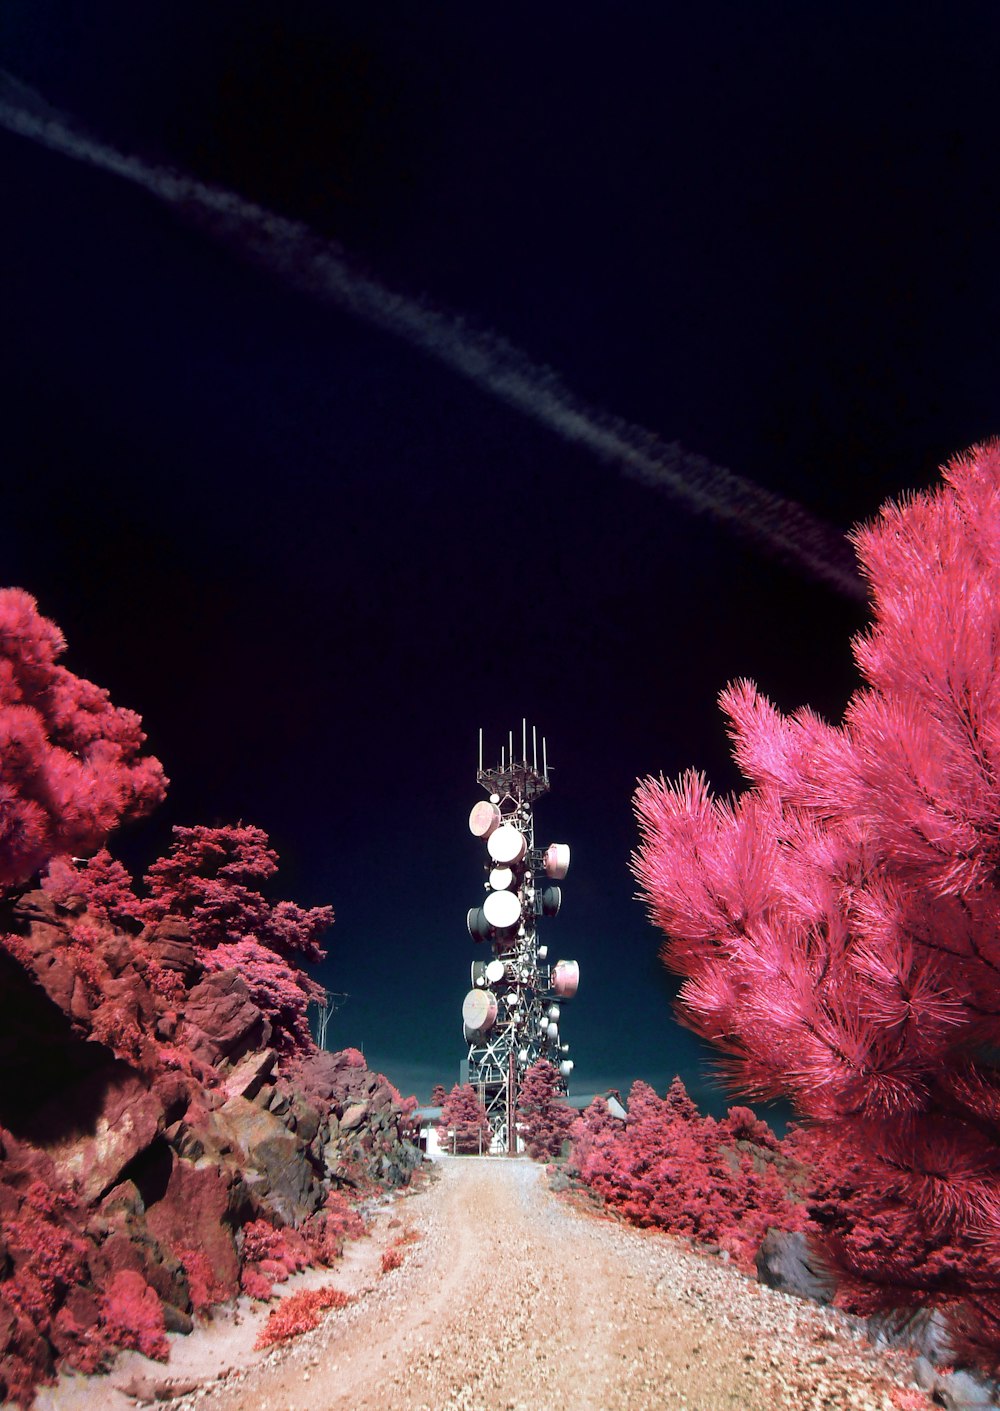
{"x": 157, "y": 1154}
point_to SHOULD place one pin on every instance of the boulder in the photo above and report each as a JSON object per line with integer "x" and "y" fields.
{"x": 956, "y": 1391}
{"x": 97, "y": 1126}
{"x": 250, "y": 1074}
{"x": 785, "y": 1261}
{"x": 265, "y": 1146}
{"x": 221, "y": 1021}
{"x": 353, "y": 1117}
{"x": 192, "y": 1218}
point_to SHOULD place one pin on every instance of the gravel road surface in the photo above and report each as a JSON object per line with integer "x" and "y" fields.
{"x": 515, "y": 1300}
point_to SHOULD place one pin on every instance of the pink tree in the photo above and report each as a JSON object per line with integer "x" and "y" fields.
{"x": 213, "y": 877}
{"x": 71, "y": 767}
{"x": 543, "y": 1118}
{"x": 838, "y": 925}
{"x": 464, "y": 1115}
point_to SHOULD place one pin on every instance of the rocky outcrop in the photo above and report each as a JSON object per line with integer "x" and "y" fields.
{"x": 146, "y": 1125}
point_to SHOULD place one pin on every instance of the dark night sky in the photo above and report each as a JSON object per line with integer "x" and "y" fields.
{"x": 316, "y": 561}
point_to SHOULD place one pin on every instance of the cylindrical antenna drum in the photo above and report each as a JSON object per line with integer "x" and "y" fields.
{"x": 507, "y": 845}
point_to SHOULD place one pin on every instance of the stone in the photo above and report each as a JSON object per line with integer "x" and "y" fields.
{"x": 353, "y": 1116}
{"x": 221, "y": 1022}
{"x": 785, "y": 1261}
{"x": 99, "y": 1125}
{"x": 250, "y": 1074}
{"x": 192, "y": 1216}
{"x": 924, "y": 1332}
{"x": 266, "y": 1146}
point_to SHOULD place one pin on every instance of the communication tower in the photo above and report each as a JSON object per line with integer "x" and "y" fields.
{"x": 510, "y": 1017}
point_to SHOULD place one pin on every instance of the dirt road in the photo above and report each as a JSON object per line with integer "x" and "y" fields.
{"x": 511, "y": 1300}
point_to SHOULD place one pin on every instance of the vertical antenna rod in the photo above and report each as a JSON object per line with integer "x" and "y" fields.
{"x": 534, "y": 751}
{"x": 545, "y": 760}
{"x": 480, "y": 749}
{"x": 524, "y": 740}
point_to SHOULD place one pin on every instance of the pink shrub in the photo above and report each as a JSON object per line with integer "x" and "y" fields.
{"x": 299, "y": 1313}
{"x": 670, "y": 1168}
{"x": 204, "y": 1285}
{"x": 133, "y": 1315}
{"x": 392, "y": 1258}
{"x": 255, "y": 1284}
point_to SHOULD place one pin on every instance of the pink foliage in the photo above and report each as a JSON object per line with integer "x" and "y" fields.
{"x": 542, "y": 1118}
{"x": 838, "y": 925}
{"x": 353, "y": 1058}
{"x": 204, "y": 1284}
{"x": 299, "y": 1313}
{"x": 279, "y": 989}
{"x": 133, "y": 1315}
{"x": 214, "y": 877}
{"x": 670, "y": 1168}
{"x": 464, "y": 1114}
{"x": 71, "y": 767}
{"x": 102, "y": 883}
{"x": 255, "y": 1284}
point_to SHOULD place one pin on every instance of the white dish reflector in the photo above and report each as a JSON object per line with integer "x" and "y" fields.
{"x": 506, "y": 845}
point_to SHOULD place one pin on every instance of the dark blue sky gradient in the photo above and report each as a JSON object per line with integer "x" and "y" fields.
{"x": 316, "y": 561}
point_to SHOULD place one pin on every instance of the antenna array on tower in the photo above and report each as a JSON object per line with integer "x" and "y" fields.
{"x": 512, "y": 1012}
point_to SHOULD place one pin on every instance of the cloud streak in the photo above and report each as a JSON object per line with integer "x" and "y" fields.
{"x": 319, "y": 267}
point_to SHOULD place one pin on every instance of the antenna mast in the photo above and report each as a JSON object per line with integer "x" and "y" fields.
{"x": 510, "y": 1017}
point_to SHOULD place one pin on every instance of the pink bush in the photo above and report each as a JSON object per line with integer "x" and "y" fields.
{"x": 214, "y": 878}
{"x": 670, "y": 1168}
{"x": 299, "y": 1313}
{"x": 133, "y": 1315}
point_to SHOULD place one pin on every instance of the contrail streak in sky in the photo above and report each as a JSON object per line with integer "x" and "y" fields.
{"x": 318, "y": 266}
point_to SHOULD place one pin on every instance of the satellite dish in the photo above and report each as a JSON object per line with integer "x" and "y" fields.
{"x": 495, "y": 971}
{"x": 507, "y": 845}
{"x": 502, "y": 910}
{"x": 553, "y": 1011}
{"x": 565, "y": 978}
{"x": 501, "y": 879}
{"x": 556, "y": 861}
{"x": 484, "y": 819}
{"x": 566, "y": 1067}
{"x": 479, "y": 973}
{"x": 551, "y": 900}
{"x": 479, "y": 1011}
{"x": 479, "y": 927}
{"x": 552, "y": 1031}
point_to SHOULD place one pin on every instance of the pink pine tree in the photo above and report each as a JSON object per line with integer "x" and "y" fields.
{"x": 543, "y": 1118}
{"x": 71, "y": 767}
{"x": 838, "y": 925}
{"x": 463, "y": 1125}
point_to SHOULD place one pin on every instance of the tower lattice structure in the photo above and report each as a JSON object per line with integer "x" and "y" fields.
{"x": 511, "y": 1015}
